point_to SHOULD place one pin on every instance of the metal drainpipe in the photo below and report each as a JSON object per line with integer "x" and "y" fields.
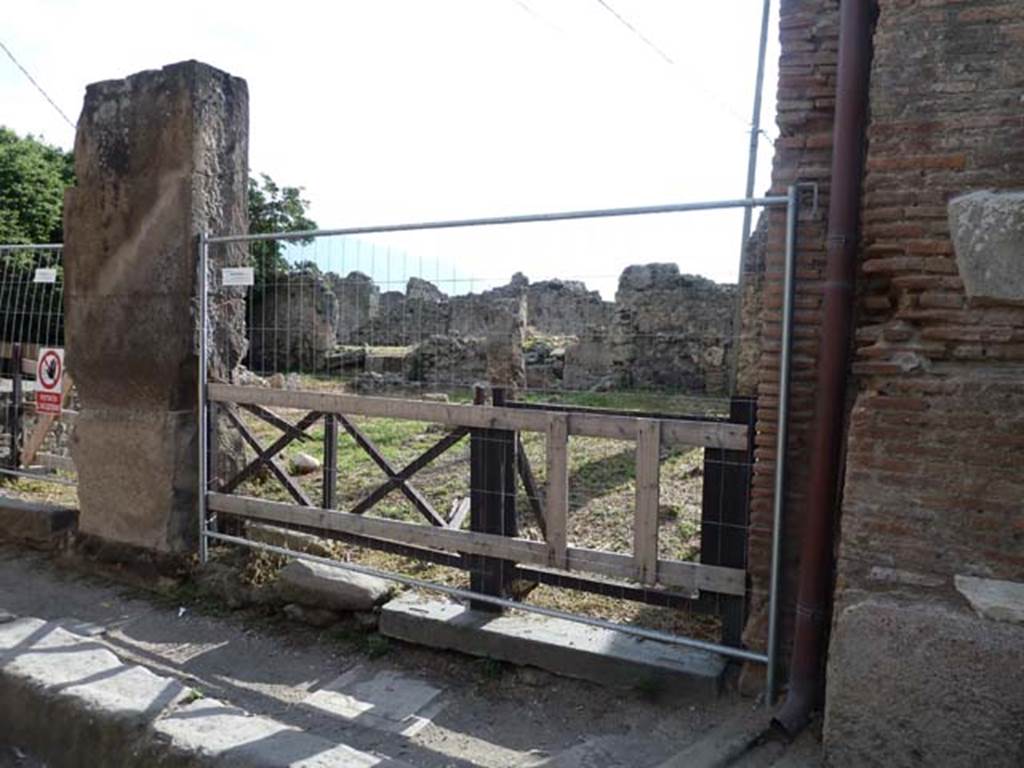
{"x": 806, "y": 668}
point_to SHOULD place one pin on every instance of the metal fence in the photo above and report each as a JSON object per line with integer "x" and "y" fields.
{"x": 518, "y": 445}
{"x": 35, "y": 452}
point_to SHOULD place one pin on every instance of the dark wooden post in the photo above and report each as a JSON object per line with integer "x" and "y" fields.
{"x": 492, "y": 502}
{"x": 330, "y": 494}
{"x": 17, "y": 407}
{"x": 725, "y": 514}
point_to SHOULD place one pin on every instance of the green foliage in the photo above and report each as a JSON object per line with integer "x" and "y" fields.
{"x": 33, "y": 176}
{"x": 274, "y": 209}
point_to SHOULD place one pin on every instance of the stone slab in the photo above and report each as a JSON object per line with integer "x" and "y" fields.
{"x": 34, "y": 523}
{"x": 988, "y": 237}
{"x": 110, "y": 713}
{"x": 384, "y": 700}
{"x": 914, "y": 683}
{"x": 992, "y": 598}
{"x": 321, "y": 586}
{"x": 217, "y": 734}
{"x": 563, "y": 647}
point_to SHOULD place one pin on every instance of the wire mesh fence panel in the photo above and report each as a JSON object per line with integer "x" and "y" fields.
{"x": 573, "y": 442}
{"x": 35, "y": 456}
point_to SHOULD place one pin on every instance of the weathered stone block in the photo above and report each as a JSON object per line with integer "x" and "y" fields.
{"x": 923, "y": 683}
{"x": 137, "y": 476}
{"x": 988, "y": 235}
{"x": 336, "y": 589}
{"x": 159, "y": 157}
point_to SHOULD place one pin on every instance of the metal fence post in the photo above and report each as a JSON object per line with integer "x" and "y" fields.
{"x": 16, "y": 406}
{"x": 202, "y": 407}
{"x": 492, "y": 502}
{"x": 330, "y": 470}
{"x": 725, "y": 514}
{"x": 779, "y": 498}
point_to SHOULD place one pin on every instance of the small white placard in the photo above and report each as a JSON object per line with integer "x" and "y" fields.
{"x": 236, "y": 276}
{"x": 45, "y": 275}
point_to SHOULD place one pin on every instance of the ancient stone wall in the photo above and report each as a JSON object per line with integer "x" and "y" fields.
{"x": 358, "y": 303}
{"x": 664, "y": 331}
{"x": 159, "y": 157}
{"x": 672, "y": 331}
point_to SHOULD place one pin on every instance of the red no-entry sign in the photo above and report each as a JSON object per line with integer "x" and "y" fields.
{"x": 49, "y": 380}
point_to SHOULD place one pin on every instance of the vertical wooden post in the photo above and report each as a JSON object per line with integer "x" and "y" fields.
{"x": 492, "y": 502}
{"x": 556, "y": 500}
{"x": 17, "y": 407}
{"x": 330, "y": 491}
{"x": 725, "y": 515}
{"x": 648, "y": 492}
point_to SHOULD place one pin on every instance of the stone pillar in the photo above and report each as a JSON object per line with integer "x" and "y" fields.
{"x": 505, "y": 323}
{"x": 159, "y": 157}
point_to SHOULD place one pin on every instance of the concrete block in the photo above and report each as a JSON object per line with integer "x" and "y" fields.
{"x": 988, "y": 236}
{"x": 556, "y": 645}
{"x": 923, "y": 683}
{"x": 33, "y": 522}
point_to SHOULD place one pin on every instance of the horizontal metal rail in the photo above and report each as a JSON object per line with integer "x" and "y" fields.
{"x": 598, "y": 213}
{"x": 31, "y": 246}
{"x": 465, "y": 594}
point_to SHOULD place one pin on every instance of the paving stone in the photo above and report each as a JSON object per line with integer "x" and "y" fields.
{"x": 222, "y": 735}
{"x": 385, "y": 700}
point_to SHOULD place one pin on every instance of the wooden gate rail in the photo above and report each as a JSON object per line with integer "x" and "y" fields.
{"x": 642, "y": 566}
{"x": 674, "y": 432}
{"x": 679, "y": 574}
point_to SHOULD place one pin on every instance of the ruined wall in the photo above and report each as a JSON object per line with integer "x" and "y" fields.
{"x": 293, "y": 323}
{"x": 358, "y": 303}
{"x": 934, "y": 486}
{"x": 672, "y": 331}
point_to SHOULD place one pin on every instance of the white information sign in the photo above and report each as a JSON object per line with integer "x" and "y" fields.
{"x": 236, "y": 276}
{"x": 45, "y": 275}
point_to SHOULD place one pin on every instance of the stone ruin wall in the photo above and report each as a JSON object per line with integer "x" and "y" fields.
{"x": 663, "y": 331}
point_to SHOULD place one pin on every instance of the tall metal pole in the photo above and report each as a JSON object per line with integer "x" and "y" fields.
{"x": 755, "y": 124}
{"x": 781, "y": 439}
{"x": 204, "y": 448}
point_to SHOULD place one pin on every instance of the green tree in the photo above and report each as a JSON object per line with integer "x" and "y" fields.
{"x": 33, "y": 176}
{"x": 274, "y": 209}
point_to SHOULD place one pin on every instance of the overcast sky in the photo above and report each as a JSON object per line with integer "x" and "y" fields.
{"x": 398, "y": 110}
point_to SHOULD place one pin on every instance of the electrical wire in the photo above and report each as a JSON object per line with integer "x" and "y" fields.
{"x": 37, "y": 85}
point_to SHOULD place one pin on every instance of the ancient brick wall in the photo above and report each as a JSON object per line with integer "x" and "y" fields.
{"x": 934, "y": 485}
{"x": 935, "y": 477}
{"x": 803, "y": 153}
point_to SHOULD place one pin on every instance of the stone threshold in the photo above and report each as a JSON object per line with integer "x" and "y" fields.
{"x": 559, "y": 646}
